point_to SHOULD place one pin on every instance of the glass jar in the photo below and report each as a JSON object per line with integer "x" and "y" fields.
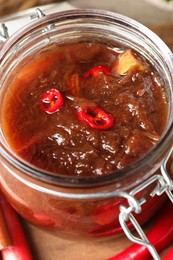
{"x": 83, "y": 207}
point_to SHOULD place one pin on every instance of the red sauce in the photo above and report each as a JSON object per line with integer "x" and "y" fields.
{"x": 129, "y": 92}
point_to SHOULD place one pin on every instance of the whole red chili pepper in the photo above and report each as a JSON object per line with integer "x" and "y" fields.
{"x": 51, "y": 101}
{"x": 160, "y": 236}
{"x": 95, "y": 117}
{"x": 95, "y": 71}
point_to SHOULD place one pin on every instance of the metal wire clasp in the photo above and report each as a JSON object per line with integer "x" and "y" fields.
{"x": 3, "y": 33}
{"x": 163, "y": 184}
{"x": 39, "y": 14}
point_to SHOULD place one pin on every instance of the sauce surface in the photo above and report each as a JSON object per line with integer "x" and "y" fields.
{"x": 99, "y": 81}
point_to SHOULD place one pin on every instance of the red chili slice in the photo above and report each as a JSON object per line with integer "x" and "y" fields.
{"x": 95, "y": 117}
{"x": 51, "y": 101}
{"x": 95, "y": 71}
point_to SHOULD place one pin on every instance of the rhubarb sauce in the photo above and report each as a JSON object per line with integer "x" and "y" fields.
{"x": 84, "y": 109}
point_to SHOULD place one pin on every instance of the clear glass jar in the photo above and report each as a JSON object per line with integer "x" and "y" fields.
{"x": 74, "y": 207}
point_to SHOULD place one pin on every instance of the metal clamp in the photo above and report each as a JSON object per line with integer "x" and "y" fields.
{"x": 39, "y": 14}
{"x": 166, "y": 176}
{"x": 3, "y": 33}
{"x": 163, "y": 184}
{"x": 142, "y": 239}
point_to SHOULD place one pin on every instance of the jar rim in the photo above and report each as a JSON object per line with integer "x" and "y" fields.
{"x": 154, "y": 154}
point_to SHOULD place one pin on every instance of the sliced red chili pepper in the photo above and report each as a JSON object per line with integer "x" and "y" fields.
{"x": 51, "y": 101}
{"x": 95, "y": 71}
{"x": 95, "y": 117}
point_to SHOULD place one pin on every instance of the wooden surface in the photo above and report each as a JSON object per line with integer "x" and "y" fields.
{"x": 165, "y": 32}
{"x": 47, "y": 247}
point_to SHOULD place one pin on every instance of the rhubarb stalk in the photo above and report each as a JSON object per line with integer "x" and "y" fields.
{"x": 5, "y": 237}
{"x": 20, "y": 249}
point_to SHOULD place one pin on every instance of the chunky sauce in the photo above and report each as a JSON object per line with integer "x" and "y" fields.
{"x": 89, "y": 78}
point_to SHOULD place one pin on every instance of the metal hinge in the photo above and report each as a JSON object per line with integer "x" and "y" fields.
{"x": 39, "y": 14}
{"x": 3, "y": 33}
{"x": 163, "y": 184}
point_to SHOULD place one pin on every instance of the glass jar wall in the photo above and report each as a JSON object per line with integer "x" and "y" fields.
{"x": 82, "y": 207}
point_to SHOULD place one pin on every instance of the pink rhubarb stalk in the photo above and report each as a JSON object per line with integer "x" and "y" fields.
{"x": 20, "y": 249}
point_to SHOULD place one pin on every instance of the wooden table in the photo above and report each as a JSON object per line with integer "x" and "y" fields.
{"x": 47, "y": 247}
